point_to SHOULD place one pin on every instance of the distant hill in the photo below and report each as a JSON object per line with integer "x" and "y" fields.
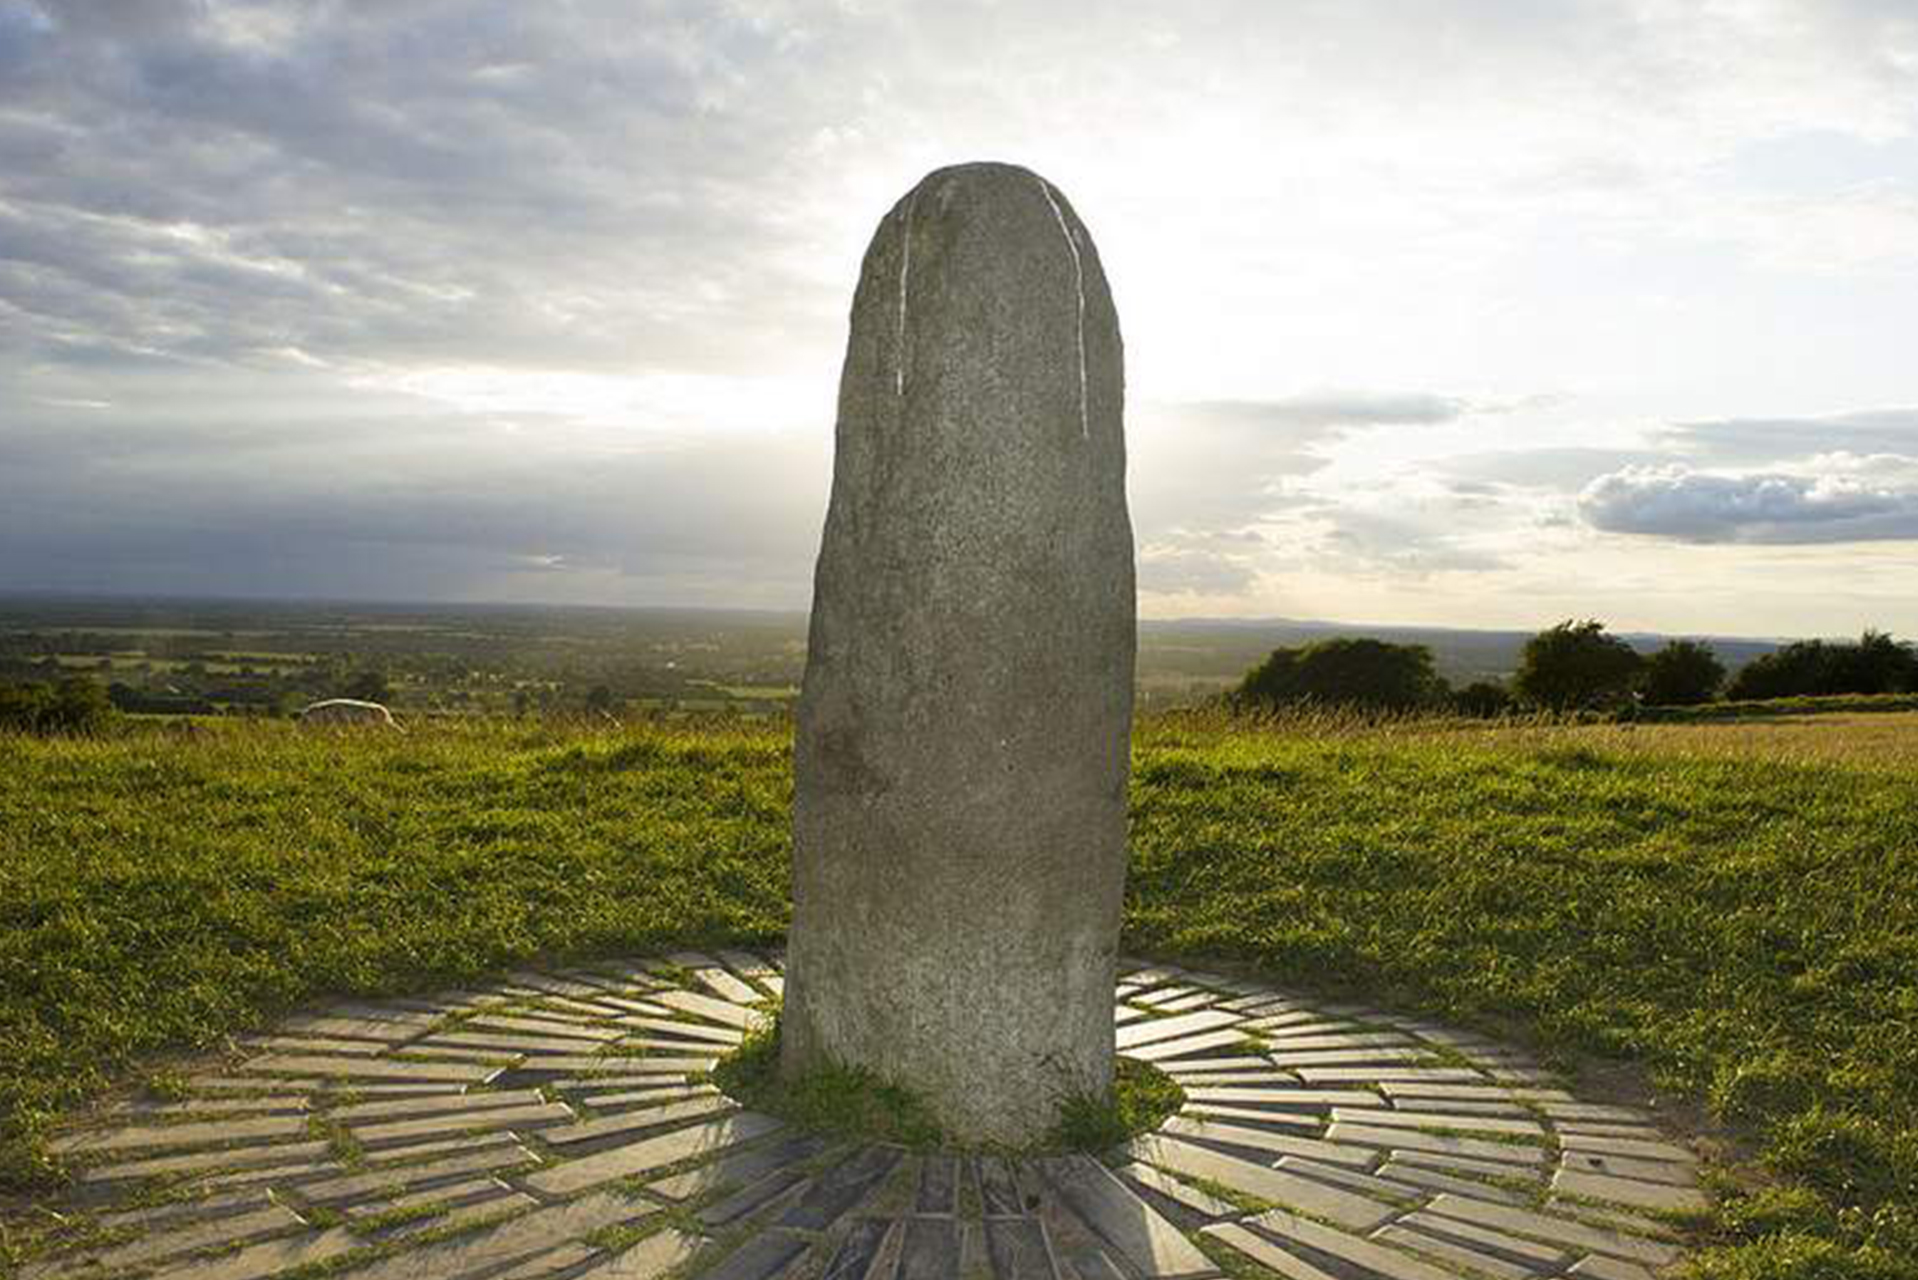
{"x": 475, "y": 656}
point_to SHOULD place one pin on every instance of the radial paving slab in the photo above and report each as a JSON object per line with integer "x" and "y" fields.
{"x": 555, "y": 1126}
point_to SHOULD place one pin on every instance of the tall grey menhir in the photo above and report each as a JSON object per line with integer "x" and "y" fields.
{"x": 963, "y": 735}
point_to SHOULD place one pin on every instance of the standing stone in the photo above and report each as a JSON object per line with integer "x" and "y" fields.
{"x": 963, "y": 735}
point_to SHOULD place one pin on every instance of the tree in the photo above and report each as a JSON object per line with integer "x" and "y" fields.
{"x": 1345, "y": 672}
{"x": 368, "y": 686}
{"x": 1575, "y": 664}
{"x": 1682, "y": 674}
{"x": 1484, "y": 699}
{"x": 74, "y": 705}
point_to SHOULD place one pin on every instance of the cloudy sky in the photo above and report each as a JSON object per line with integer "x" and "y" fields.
{"x": 1464, "y": 312}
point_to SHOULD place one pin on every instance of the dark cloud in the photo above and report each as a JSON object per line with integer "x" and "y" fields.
{"x": 1842, "y": 505}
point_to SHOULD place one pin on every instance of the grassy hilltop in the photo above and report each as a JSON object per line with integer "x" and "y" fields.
{"x": 1727, "y": 908}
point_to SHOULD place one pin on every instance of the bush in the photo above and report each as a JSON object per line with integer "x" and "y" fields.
{"x": 1370, "y": 674}
{"x": 1682, "y": 674}
{"x": 1484, "y": 699}
{"x": 1574, "y": 665}
{"x": 74, "y": 705}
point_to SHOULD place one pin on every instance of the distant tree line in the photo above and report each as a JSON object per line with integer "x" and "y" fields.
{"x": 73, "y": 705}
{"x": 1573, "y": 666}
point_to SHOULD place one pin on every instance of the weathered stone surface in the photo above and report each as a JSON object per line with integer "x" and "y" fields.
{"x": 650, "y": 1153}
{"x": 963, "y": 732}
{"x": 1277, "y": 1186}
{"x": 1152, "y": 1245}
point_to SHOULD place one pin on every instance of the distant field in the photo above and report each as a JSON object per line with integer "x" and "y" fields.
{"x": 1727, "y": 906}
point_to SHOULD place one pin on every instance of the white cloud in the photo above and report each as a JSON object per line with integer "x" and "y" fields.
{"x": 1836, "y": 498}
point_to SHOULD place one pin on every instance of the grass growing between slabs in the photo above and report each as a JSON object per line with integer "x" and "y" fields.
{"x": 1730, "y": 906}
{"x": 853, "y": 1103}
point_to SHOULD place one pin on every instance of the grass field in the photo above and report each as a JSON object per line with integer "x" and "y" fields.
{"x": 1727, "y": 909}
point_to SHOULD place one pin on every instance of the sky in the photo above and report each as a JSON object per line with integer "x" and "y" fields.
{"x": 1474, "y": 313}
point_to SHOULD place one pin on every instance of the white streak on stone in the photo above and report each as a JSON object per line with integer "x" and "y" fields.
{"x": 1079, "y": 284}
{"x": 905, "y": 270}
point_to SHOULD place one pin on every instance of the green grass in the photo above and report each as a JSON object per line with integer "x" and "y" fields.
{"x": 1729, "y": 906}
{"x": 1141, "y": 1097}
{"x": 844, "y": 1101}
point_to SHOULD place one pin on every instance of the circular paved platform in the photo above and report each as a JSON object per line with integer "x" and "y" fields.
{"x": 548, "y": 1127}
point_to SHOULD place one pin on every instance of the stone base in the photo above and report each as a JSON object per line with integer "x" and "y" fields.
{"x": 503, "y": 1132}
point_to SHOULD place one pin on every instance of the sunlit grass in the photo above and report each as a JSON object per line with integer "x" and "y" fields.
{"x": 1729, "y": 905}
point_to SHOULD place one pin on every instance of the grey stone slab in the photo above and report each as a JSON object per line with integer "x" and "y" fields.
{"x": 209, "y": 1133}
{"x": 1598, "y": 1129}
{"x": 279, "y": 1175}
{"x": 762, "y": 1257}
{"x": 446, "y": 1193}
{"x": 1661, "y": 1196}
{"x": 1018, "y": 1249}
{"x": 937, "y": 1192}
{"x": 1125, "y": 1013}
{"x": 1344, "y": 1057}
{"x": 1462, "y": 1107}
{"x": 1188, "y": 1002}
{"x": 727, "y": 987}
{"x": 750, "y": 1199}
{"x": 155, "y": 1246}
{"x": 1185, "y": 1195}
{"x": 1237, "y": 1079}
{"x": 1439, "y": 1180}
{"x": 311, "y": 1044}
{"x": 1465, "y": 1164}
{"x": 627, "y": 1080}
{"x": 1154, "y": 1247}
{"x": 560, "y": 1260}
{"x": 1180, "y": 1068}
{"x": 1170, "y": 995}
{"x": 738, "y": 1168}
{"x": 500, "y": 1043}
{"x": 1593, "y": 1111}
{"x": 1156, "y": 1029}
{"x": 711, "y": 1008}
{"x": 745, "y": 963}
{"x": 1185, "y": 1046}
{"x": 1265, "y": 1253}
{"x": 622, "y": 1064}
{"x": 368, "y": 1069}
{"x": 1363, "y": 1075}
{"x": 547, "y": 984}
{"x": 1612, "y": 1217}
{"x": 201, "y": 1161}
{"x": 1273, "y": 1185}
{"x": 151, "y": 1216}
{"x": 1472, "y": 1092}
{"x": 1002, "y": 1191}
{"x": 1458, "y": 1255}
{"x": 1419, "y": 1140}
{"x": 1310, "y": 1122}
{"x": 1286, "y": 1099}
{"x": 930, "y": 1249}
{"x": 208, "y": 1108}
{"x": 512, "y": 1241}
{"x": 859, "y": 1251}
{"x": 1342, "y": 1040}
{"x": 1437, "y": 1120}
{"x": 390, "y": 1181}
{"x": 637, "y": 1098}
{"x": 268, "y": 1258}
{"x": 1393, "y": 1193}
{"x": 499, "y": 1205}
{"x": 1232, "y": 1135}
{"x": 1597, "y": 1268}
{"x": 1553, "y": 1229}
{"x": 546, "y": 1028}
{"x": 1540, "y": 1257}
{"x": 1293, "y": 1016}
{"x": 637, "y": 1121}
{"x": 1627, "y": 1147}
{"x": 434, "y": 1104}
{"x": 650, "y": 1153}
{"x": 537, "y": 1115}
{"x": 1669, "y": 1171}
{"x": 728, "y": 1036}
{"x": 1381, "y": 1260}
{"x": 837, "y": 1190}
